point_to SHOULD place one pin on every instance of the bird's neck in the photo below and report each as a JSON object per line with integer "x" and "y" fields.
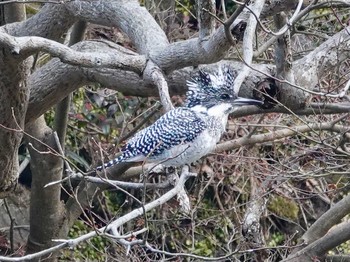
{"x": 218, "y": 113}
{"x": 220, "y": 110}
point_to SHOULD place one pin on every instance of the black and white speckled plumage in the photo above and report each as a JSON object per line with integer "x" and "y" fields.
{"x": 179, "y": 126}
{"x": 187, "y": 133}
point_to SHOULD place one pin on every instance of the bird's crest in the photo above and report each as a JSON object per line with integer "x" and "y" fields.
{"x": 204, "y": 86}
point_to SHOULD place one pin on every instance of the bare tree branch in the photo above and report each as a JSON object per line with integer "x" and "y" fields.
{"x": 115, "y": 224}
{"x": 324, "y": 57}
{"x": 275, "y": 135}
{"x": 45, "y": 204}
{"x": 257, "y": 7}
{"x": 133, "y": 19}
{"x": 28, "y": 45}
{"x": 115, "y": 183}
{"x": 329, "y": 219}
{"x": 62, "y": 108}
{"x": 205, "y": 9}
{"x": 251, "y": 228}
{"x": 163, "y": 90}
{"x": 337, "y": 235}
{"x": 44, "y": 23}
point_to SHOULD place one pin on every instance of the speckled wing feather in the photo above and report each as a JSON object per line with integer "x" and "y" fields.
{"x": 180, "y": 125}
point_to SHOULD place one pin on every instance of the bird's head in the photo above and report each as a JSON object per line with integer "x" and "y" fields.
{"x": 215, "y": 90}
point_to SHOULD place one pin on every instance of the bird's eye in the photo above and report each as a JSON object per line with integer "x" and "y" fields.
{"x": 225, "y": 96}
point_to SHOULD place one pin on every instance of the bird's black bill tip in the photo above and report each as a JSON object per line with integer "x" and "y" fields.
{"x": 241, "y": 101}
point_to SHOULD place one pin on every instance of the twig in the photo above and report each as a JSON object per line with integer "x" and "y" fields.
{"x": 23, "y": 165}
{"x": 232, "y": 18}
{"x": 139, "y": 211}
{"x": 296, "y": 16}
{"x": 274, "y": 135}
{"x": 284, "y": 29}
{"x": 345, "y": 90}
{"x": 118, "y": 236}
{"x": 284, "y": 81}
{"x": 69, "y": 169}
{"x": 222, "y": 258}
{"x": 34, "y": 255}
{"x": 159, "y": 80}
{"x": 121, "y": 239}
{"x": 109, "y": 182}
{"x": 117, "y": 223}
{"x": 60, "y": 150}
{"x": 12, "y": 223}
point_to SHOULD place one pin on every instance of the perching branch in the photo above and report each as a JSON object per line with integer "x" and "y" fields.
{"x": 185, "y": 175}
{"x": 115, "y": 183}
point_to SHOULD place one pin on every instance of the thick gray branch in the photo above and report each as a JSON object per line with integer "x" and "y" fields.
{"x": 51, "y": 22}
{"x": 332, "y": 217}
{"x": 129, "y": 16}
{"x": 29, "y": 45}
{"x": 336, "y": 236}
{"x": 325, "y": 57}
{"x": 149, "y": 38}
{"x": 205, "y": 12}
{"x": 47, "y": 89}
{"x": 45, "y": 204}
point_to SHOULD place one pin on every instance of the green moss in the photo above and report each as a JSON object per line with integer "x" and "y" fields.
{"x": 91, "y": 250}
{"x": 275, "y": 240}
{"x": 204, "y": 247}
{"x": 284, "y": 207}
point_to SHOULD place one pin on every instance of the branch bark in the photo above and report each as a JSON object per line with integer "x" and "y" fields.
{"x": 323, "y": 58}
{"x": 329, "y": 219}
{"x": 318, "y": 249}
{"x": 28, "y": 45}
{"x": 256, "y": 8}
{"x": 275, "y": 135}
{"x": 45, "y": 204}
{"x": 251, "y": 228}
{"x": 206, "y": 22}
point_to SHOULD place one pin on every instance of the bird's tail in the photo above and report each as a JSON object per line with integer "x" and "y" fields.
{"x": 113, "y": 162}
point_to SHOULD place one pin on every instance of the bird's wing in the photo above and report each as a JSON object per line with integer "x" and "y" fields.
{"x": 180, "y": 125}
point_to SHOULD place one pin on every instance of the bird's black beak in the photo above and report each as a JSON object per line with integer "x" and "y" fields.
{"x": 241, "y": 101}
